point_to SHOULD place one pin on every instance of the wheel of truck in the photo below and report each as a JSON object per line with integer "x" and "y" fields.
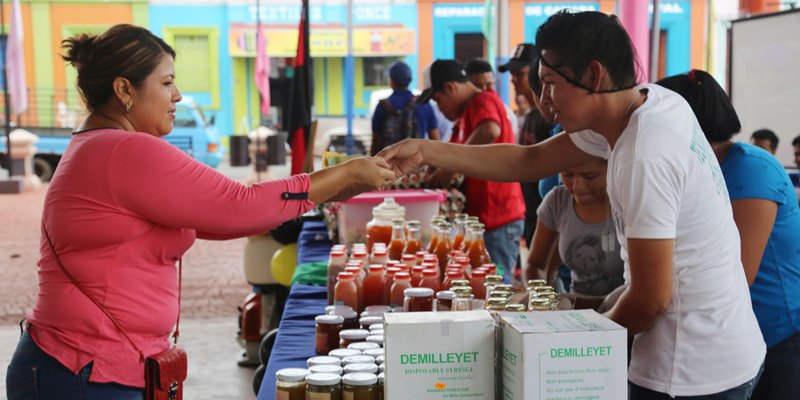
{"x": 43, "y": 169}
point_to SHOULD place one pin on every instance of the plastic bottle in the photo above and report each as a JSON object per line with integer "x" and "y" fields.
{"x": 388, "y": 281}
{"x": 402, "y": 281}
{"x": 336, "y": 263}
{"x": 358, "y": 278}
{"x": 373, "y": 286}
{"x": 416, "y": 275}
{"x": 379, "y": 229}
{"x": 430, "y": 279}
{"x": 477, "y": 282}
{"x": 346, "y": 291}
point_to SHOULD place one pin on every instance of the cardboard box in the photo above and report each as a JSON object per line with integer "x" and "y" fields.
{"x": 562, "y": 355}
{"x": 440, "y": 355}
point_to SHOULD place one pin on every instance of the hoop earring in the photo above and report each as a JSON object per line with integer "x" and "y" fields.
{"x": 128, "y": 107}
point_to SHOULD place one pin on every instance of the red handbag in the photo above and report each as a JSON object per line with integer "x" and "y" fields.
{"x": 164, "y": 372}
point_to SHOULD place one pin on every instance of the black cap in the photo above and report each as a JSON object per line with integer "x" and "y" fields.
{"x": 437, "y": 74}
{"x": 524, "y": 54}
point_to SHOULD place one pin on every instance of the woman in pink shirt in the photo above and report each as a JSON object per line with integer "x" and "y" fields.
{"x": 121, "y": 210}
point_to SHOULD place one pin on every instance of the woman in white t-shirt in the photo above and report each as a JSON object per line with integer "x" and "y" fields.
{"x": 687, "y": 300}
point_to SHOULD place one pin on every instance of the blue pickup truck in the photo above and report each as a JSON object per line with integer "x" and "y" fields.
{"x": 191, "y": 132}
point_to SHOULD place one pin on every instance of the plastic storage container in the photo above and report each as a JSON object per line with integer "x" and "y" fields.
{"x": 420, "y": 204}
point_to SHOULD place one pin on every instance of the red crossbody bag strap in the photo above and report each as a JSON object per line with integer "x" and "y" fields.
{"x": 103, "y": 309}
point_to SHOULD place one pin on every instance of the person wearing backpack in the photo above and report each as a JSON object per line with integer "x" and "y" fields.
{"x": 397, "y": 117}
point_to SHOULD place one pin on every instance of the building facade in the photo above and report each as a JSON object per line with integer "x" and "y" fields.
{"x": 215, "y": 43}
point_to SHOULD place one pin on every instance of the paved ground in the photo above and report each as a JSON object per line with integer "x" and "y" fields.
{"x": 214, "y": 285}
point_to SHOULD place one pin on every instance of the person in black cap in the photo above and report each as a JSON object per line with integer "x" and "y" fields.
{"x": 482, "y": 120}
{"x": 398, "y": 117}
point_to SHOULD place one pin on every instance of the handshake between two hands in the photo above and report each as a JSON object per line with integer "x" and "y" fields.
{"x": 390, "y": 164}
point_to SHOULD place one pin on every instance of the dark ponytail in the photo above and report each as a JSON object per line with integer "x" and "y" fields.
{"x": 123, "y": 51}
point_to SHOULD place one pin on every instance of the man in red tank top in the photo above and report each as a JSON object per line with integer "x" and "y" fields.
{"x": 481, "y": 118}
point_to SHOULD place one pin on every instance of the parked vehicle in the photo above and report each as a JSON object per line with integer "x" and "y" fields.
{"x": 192, "y": 133}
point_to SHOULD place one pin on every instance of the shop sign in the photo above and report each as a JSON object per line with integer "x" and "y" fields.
{"x": 284, "y": 13}
{"x": 546, "y": 10}
{"x": 324, "y": 42}
{"x": 372, "y": 13}
{"x": 459, "y": 11}
{"x": 290, "y": 13}
{"x": 669, "y": 8}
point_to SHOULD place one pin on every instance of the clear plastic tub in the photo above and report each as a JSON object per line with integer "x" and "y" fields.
{"x": 420, "y": 204}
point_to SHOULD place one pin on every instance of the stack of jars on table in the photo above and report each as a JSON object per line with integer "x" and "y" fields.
{"x": 346, "y": 373}
{"x": 351, "y": 364}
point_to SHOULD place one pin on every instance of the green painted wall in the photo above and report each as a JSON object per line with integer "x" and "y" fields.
{"x": 241, "y": 81}
{"x": 335, "y": 86}
{"x": 320, "y": 104}
{"x": 140, "y": 13}
{"x": 42, "y": 56}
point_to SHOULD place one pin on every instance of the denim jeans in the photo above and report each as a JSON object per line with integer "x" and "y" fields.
{"x": 503, "y": 246}
{"x": 33, "y": 374}
{"x": 741, "y": 392}
{"x": 781, "y": 377}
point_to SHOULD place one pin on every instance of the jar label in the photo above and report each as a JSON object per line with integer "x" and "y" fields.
{"x": 281, "y": 395}
{"x": 348, "y": 395}
{"x": 317, "y": 396}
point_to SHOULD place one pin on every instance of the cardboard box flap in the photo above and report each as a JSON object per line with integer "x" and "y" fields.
{"x": 559, "y": 321}
{"x": 435, "y": 317}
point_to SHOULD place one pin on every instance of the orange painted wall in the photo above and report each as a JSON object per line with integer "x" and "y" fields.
{"x": 82, "y": 14}
{"x": 425, "y": 39}
{"x": 698, "y": 36}
{"x": 608, "y": 6}
{"x": 27, "y": 32}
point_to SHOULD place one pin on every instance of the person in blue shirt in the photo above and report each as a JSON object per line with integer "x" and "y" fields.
{"x": 401, "y": 100}
{"x": 765, "y": 210}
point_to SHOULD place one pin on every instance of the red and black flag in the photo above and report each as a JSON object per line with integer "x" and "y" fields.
{"x": 300, "y": 96}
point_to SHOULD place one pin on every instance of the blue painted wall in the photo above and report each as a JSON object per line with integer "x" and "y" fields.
{"x": 537, "y": 13}
{"x": 450, "y": 19}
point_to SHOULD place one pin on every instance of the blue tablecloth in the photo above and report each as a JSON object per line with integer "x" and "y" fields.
{"x": 313, "y": 243}
{"x": 295, "y": 341}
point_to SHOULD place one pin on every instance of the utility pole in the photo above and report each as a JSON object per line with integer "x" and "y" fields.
{"x": 9, "y": 160}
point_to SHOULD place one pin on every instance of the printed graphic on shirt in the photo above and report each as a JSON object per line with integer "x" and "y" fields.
{"x": 597, "y": 274}
{"x": 701, "y": 149}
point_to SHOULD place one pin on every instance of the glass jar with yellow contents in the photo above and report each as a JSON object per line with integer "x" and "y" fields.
{"x": 360, "y": 386}
{"x": 323, "y": 387}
